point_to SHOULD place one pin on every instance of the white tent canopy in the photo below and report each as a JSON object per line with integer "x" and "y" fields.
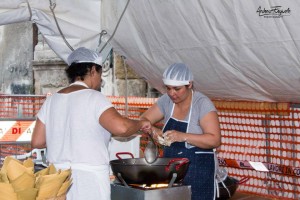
{"x": 241, "y": 50}
{"x": 78, "y": 20}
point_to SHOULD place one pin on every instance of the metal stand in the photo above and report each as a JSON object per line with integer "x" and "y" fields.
{"x": 122, "y": 180}
{"x": 172, "y": 181}
{"x": 174, "y": 176}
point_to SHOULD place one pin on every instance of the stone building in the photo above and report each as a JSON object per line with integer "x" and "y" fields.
{"x": 16, "y": 55}
{"x": 29, "y": 66}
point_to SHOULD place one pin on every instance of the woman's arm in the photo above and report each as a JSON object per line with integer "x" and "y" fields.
{"x": 154, "y": 115}
{"x": 38, "y": 138}
{"x": 211, "y": 137}
{"x": 118, "y": 125}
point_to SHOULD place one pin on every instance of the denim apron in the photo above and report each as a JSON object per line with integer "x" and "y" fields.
{"x": 201, "y": 171}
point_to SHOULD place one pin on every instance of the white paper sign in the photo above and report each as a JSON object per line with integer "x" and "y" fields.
{"x": 258, "y": 166}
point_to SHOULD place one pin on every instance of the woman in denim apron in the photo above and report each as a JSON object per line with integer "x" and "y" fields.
{"x": 192, "y": 127}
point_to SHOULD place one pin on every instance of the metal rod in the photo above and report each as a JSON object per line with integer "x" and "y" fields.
{"x": 172, "y": 180}
{"x": 122, "y": 180}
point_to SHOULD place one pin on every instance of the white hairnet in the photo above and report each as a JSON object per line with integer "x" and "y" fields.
{"x": 84, "y": 55}
{"x": 177, "y": 74}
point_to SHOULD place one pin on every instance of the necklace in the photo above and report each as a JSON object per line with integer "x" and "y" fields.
{"x": 80, "y": 83}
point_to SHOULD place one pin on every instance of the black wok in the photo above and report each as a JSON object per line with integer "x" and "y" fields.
{"x": 138, "y": 171}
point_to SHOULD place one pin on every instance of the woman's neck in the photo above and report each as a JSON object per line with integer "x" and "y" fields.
{"x": 80, "y": 82}
{"x": 181, "y": 109}
{"x": 186, "y": 101}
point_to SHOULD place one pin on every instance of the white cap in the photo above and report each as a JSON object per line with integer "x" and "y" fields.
{"x": 178, "y": 74}
{"x": 84, "y": 55}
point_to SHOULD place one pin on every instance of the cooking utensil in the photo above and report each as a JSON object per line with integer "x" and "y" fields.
{"x": 138, "y": 171}
{"x": 151, "y": 150}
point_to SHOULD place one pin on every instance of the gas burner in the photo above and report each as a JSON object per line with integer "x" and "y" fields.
{"x": 178, "y": 192}
{"x": 160, "y": 191}
{"x": 153, "y": 186}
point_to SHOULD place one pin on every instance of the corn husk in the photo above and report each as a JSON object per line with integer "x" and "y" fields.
{"x": 62, "y": 197}
{"x": 24, "y": 181}
{"x": 27, "y": 194}
{"x": 49, "y": 185}
{"x": 18, "y": 181}
{"x": 28, "y": 163}
{"x": 5, "y": 163}
{"x": 6, "y": 187}
{"x": 42, "y": 172}
{"x": 3, "y": 178}
{"x": 7, "y": 192}
{"x": 52, "y": 169}
{"x": 16, "y": 169}
{"x": 64, "y": 188}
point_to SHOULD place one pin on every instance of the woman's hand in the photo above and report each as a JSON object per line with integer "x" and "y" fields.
{"x": 145, "y": 126}
{"x": 174, "y": 136}
{"x": 155, "y": 132}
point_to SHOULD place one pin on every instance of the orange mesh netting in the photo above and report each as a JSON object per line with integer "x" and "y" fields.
{"x": 20, "y": 106}
{"x": 251, "y": 131}
{"x": 262, "y": 132}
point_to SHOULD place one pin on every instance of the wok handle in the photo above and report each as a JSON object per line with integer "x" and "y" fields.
{"x": 184, "y": 161}
{"x": 123, "y": 153}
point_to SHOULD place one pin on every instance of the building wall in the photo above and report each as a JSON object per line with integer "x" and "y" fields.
{"x": 49, "y": 75}
{"x": 16, "y": 55}
{"x": 27, "y": 68}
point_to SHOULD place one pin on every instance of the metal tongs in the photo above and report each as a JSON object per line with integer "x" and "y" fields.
{"x": 151, "y": 150}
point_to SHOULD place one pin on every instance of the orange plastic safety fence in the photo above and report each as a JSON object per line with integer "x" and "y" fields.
{"x": 20, "y": 106}
{"x": 14, "y": 149}
{"x": 263, "y": 132}
{"x": 251, "y": 131}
